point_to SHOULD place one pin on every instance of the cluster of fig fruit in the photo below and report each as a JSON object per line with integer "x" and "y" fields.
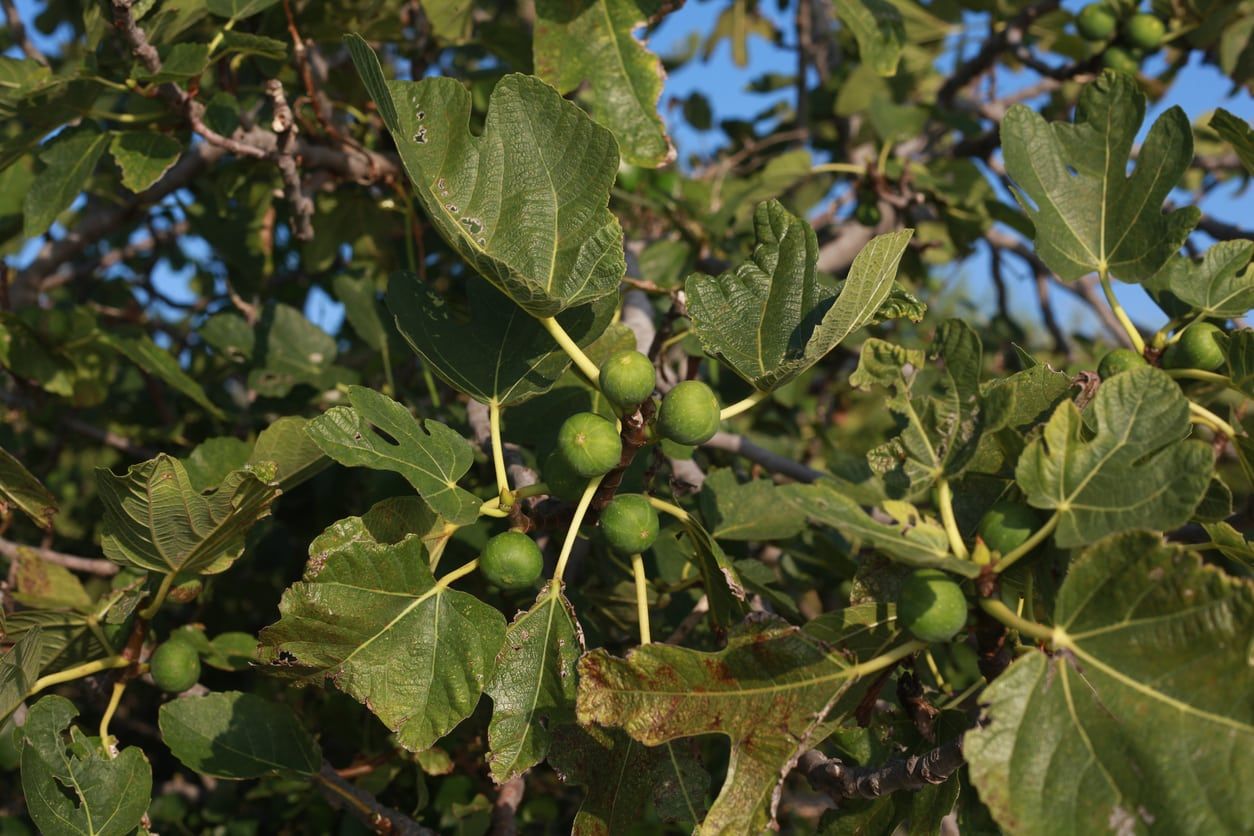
{"x": 589, "y": 446}
{"x": 1138, "y": 35}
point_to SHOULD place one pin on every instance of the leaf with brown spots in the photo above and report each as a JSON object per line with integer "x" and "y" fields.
{"x": 773, "y": 691}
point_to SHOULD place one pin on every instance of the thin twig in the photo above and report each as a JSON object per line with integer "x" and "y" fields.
{"x": 505, "y": 811}
{"x": 340, "y": 793}
{"x": 90, "y": 565}
{"x": 773, "y": 462}
{"x": 1007, "y": 39}
{"x": 284, "y": 127}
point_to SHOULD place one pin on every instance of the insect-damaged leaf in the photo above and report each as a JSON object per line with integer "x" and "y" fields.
{"x": 372, "y": 618}
{"x": 533, "y": 687}
{"x": 1090, "y": 215}
{"x": 428, "y": 454}
{"x": 1132, "y": 725}
{"x": 1126, "y": 463}
{"x": 770, "y": 691}
{"x": 770, "y": 319}
{"x": 71, "y": 787}
{"x": 526, "y": 202}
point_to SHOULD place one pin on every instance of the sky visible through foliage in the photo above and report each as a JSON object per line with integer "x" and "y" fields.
{"x": 1198, "y": 89}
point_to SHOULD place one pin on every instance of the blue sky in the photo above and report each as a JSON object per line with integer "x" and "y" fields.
{"x": 1198, "y": 90}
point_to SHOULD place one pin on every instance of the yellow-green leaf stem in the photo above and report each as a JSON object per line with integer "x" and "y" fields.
{"x": 498, "y": 452}
{"x": 78, "y": 672}
{"x": 1008, "y": 617}
{"x": 642, "y": 598}
{"x": 743, "y": 405}
{"x": 945, "y": 502}
{"x": 568, "y": 345}
{"x": 1201, "y": 415}
{"x": 1039, "y": 536}
{"x": 1125, "y": 321}
{"x": 572, "y": 534}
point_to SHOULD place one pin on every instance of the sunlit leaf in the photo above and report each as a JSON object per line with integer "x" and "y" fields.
{"x": 1132, "y": 726}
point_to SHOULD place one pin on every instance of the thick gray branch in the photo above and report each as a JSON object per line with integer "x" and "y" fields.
{"x": 840, "y": 780}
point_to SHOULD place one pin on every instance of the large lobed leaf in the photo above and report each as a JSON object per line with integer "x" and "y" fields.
{"x": 499, "y": 352}
{"x": 156, "y": 520}
{"x": 428, "y": 454}
{"x": 526, "y": 202}
{"x": 1142, "y": 720}
{"x": 19, "y": 668}
{"x": 769, "y": 319}
{"x": 371, "y": 617}
{"x": 1219, "y": 284}
{"x": 589, "y": 43}
{"x": 1126, "y": 463}
{"x": 1072, "y": 180}
{"x": 770, "y": 691}
{"x": 71, "y": 788}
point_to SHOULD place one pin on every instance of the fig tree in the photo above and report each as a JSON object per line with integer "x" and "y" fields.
{"x": 689, "y": 413}
{"x": 1007, "y": 525}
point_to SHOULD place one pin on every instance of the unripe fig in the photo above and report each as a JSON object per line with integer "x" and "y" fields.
{"x": 175, "y": 666}
{"x": 1199, "y": 347}
{"x": 1145, "y": 31}
{"x": 689, "y": 413}
{"x": 629, "y": 523}
{"x": 590, "y": 444}
{"x": 931, "y": 606}
{"x": 511, "y": 560}
{"x": 627, "y": 379}
{"x": 1096, "y": 22}
{"x": 1120, "y": 360}
{"x": 1007, "y": 525}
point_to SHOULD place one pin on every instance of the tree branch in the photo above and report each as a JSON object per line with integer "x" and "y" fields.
{"x": 90, "y": 565}
{"x": 17, "y": 31}
{"x": 1008, "y": 38}
{"x": 840, "y": 781}
{"x": 773, "y": 462}
{"x": 284, "y": 127}
{"x": 339, "y": 793}
{"x": 505, "y": 811}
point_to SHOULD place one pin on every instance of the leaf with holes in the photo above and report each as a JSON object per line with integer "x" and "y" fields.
{"x": 379, "y": 433}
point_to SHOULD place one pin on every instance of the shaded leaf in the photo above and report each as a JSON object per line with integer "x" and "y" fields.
{"x": 1236, "y": 131}
{"x": 1089, "y": 214}
{"x": 1132, "y": 725}
{"x": 45, "y": 585}
{"x": 913, "y": 542}
{"x": 1127, "y": 463}
{"x": 156, "y": 520}
{"x": 143, "y": 157}
{"x": 589, "y": 44}
{"x": 451, "y": 20}
{"x": 237, "y": 9}
{"x": 746, "y": 511}
{"x": 379, "y": 433}
{"x": 525, "y": 203}
{"x": 621, "y": 778}
{"x": 500, "y": 352}
{"x": 769, "y": 691}
{"x": 372, "y": 618}
{"x": 19, "y": 668}
{"x": 1241, "y": 360}
{"x": 289, "y": 351}
{"x": 361, "y": 306}
{"x": 769, "y": 319}
{"x": 533, "y": 687}
{"x": 237, "y": 736}
{"x": 940, "y": 416}
{"x": 213, "y": 459}
{"x": 19, "y": 488}
{"x": 68, "y": 160}
{"x": 73, "y": 789}
{"x": 287, "y": 444}
{"x": 143, "y": 352}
